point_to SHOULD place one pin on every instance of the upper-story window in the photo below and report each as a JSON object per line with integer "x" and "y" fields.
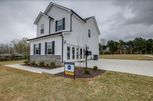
{"x": 42, "y": 29}
{"x": 60, "y": 24}
{"x": 89, "y": 33}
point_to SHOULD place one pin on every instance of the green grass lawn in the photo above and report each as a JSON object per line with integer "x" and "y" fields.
{"x": 17, "y": 85}
{"x": 126, "y": 57}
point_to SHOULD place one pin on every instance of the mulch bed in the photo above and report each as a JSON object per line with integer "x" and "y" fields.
{"x": 79, "y": 73}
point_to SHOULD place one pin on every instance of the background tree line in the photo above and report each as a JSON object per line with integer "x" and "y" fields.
{"x": 20, "y": 47}
{"x": 136, "y": 46}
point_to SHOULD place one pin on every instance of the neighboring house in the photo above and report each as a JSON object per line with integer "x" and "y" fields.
{"x": 62, "y": 36}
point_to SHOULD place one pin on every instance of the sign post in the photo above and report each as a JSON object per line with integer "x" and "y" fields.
{"x": 69, "y": 69}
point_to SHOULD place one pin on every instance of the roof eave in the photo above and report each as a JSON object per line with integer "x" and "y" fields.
{"x": 65, "y": 8}
{"x": 39, "y": 16}
{"x": 45, "y": 36}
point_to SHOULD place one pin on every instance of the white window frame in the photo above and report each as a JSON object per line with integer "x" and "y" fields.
{"x": 42, "y": 30}
{"x": 73, "y": 52}
{"x": 89, "y": 33}
{"x": 60, "y": 25}
{"x": 49, "y": 48}
{"x": 37, "y": 51}
{"x": 68, "y": 52}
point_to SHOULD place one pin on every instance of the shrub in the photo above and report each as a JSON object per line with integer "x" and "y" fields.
{"x": 95, "y": 68}
{"x": 52, "y": 65}
{"x": 41, "y": 63}
{"x": 86, "y": 71}
{"x": 33, "y": 63}
{"x": 47, "y": 65}
{"x": 36, "y": 65}
{"x": 26, "y": 62}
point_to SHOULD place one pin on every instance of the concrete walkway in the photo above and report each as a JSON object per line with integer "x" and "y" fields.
{"x": 36, "y": 70}
{"x": 139, "y": 67}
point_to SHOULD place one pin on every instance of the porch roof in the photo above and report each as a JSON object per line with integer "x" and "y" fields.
{"x": 54, "y": 34}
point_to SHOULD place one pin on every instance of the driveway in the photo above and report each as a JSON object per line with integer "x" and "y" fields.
{"x": 128, "y": 66}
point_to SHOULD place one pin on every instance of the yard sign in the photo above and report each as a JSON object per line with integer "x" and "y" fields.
{"x": 69, "y": 69}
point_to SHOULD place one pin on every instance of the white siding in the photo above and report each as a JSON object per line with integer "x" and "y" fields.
{"x": 58, "y": 47}
{"x": 93, "y": 40}
{"x": 58, "y": 14}
{"x": 77, "y": 38}
{"x": 43, "y": 20}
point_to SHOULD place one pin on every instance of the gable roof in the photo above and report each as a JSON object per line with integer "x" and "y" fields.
{"x": 94, "y": 19}
{"x": 62, "y": 7}
{"x": 67, "y": 9}
{"x": 40, "y": 15}
{"x": 87, "y": 18}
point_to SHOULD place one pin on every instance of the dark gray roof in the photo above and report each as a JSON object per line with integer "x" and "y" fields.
{"x": 87, "y": 18}
{"x": 59, "y": 33}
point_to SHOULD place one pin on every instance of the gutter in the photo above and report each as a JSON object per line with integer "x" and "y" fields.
{"x": 78, "y": 16}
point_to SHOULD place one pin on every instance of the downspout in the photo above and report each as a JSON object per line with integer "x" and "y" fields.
{"x": 63, "y": 36}
{"x": 62, "y": 46}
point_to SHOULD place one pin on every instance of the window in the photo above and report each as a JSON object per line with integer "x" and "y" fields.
{"x": 73, "y": 53}
{"x": 42, "y": 29}
{"x": 80, "y": 53}
{"x": 49, "y": 47}
{"x": 37, "y": 49}
{"x": 60, "y": 24}
{"x": 68, "y": 53}
{"x": 77, "y": 53}
{"x": 89, "y": 33}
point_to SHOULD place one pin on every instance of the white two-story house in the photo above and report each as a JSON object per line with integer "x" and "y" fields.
{"x": 62, "y": 36}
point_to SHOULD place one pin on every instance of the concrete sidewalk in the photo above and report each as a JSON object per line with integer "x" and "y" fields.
{"x": 36, "y": 70}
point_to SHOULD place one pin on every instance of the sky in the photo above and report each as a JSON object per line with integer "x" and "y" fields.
{"x": 117, "y": 19}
